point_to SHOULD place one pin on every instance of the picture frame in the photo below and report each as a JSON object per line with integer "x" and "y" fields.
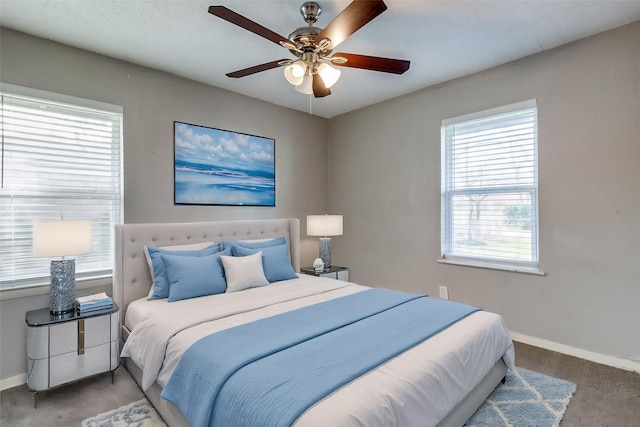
{"x": 222, "y": 167}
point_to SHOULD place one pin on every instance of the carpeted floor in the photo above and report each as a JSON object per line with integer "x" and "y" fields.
{"x": 604, "y": 396}
{"x": 67, "y": 406}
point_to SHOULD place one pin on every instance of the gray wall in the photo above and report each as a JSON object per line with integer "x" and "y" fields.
{"x": 152, "y": 100}
{"x": 384, "y": 176}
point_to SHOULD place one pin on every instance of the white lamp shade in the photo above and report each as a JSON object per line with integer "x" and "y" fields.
{"x": 306, "y": 86}
{"x": 62, "y": 238}
{"x": 324, "y": 225}
{"x": 294, "y": 73}
{"x": 329, "y": 74}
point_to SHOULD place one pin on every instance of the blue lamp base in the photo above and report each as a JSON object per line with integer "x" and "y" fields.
{"x": 62, "y": 295}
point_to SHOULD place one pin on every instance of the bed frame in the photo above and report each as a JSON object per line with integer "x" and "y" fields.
{"x": 131, "y": 281}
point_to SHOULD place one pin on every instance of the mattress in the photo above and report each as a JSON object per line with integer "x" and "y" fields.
{"x": 418, "y": 387}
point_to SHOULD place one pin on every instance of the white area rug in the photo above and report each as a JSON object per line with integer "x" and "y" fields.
{"x": 526, "y": 399}
{"x": 136, "y": 414}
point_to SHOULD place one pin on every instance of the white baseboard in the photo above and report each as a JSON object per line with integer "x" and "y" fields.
{"x": 13, "y": 381}
{"x": 616, "y": 362}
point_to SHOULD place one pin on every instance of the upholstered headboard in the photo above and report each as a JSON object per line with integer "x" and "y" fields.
{"x": 131, "y": 277}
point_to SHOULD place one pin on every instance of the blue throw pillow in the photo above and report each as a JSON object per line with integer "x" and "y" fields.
{"x": 160, "y": 281}
{"x": 255, "y": 245}
{"x": 275, "y": 261}
{"x": 191, "y": 277}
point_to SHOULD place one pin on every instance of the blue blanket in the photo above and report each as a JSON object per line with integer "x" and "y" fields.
{"x": 268, "y": 372}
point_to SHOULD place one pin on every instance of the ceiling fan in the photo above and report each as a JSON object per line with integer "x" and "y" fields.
{"x": 312, "y": 71}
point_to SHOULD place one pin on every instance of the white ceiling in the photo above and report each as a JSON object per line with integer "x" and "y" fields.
{"x": 442, "y": 39}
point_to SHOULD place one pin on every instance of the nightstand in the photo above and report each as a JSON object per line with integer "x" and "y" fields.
{"x": 66, "y": 348}
{"x": 333, "y": 272}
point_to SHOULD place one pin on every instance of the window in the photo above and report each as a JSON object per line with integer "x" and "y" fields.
{"x": 490, "y": 188}
{"x": 60, "y": 158}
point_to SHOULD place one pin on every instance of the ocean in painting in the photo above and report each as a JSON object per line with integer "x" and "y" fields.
{"x": 212, "y": 185}
{"x": 219, "y": 167}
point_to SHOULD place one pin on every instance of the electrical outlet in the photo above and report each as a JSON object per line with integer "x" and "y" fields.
{"x": 444, "y": 292}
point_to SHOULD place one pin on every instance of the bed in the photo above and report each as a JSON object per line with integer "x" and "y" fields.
{"x": 439, "y": 381}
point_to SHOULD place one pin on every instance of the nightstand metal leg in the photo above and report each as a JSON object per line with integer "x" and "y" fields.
{"x": 35, "y": 400}
{"x": 113, "y": 377}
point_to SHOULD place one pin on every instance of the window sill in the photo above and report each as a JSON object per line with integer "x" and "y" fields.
{"x": 487, "y": 266}
{"x": 35, "y": 290}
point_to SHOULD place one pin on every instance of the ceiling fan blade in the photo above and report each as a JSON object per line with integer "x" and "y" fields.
{"x": 374, "y": 63}
{"x": 257, "y": 68}
{"x": 350, "y": 20}
{"x": 242, "y": 22}
{"x": 319, "y": 89}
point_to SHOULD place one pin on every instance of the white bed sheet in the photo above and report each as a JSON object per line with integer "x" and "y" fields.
{"x": 418, "y": 387}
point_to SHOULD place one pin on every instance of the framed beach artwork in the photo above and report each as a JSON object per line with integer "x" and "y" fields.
{"x": 221, "y": 167}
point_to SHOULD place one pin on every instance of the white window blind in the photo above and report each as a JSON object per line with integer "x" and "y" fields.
{"x": 490, "y": 188}
{"x": 59, "y": 160}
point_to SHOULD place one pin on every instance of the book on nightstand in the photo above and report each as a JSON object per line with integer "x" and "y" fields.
{"x": 93, "y": 302}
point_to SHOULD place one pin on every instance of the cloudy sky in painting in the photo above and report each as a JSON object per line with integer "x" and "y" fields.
{"x": 219, "y": 147}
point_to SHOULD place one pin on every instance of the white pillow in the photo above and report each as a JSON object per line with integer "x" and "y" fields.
{"x": 243, "y": 272}
{"x": 187, "y": 247}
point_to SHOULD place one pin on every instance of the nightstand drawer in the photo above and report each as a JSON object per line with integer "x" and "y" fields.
{"x": 38, "y": 374}
{"x": 338, "y": 274}
{"x": 343, "y": 275}
{"x": 38, "y": 343}
{"x": 71, "y": 366}
{"x": 69, "y": 337}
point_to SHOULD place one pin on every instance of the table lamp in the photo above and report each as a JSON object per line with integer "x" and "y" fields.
{"x": 325, "y": 226}
{"x": 61, "y": 238}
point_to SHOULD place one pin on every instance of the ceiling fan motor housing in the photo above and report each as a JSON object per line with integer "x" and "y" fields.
{"x": 310, "y": 11}
{"x": 304, "y": 38}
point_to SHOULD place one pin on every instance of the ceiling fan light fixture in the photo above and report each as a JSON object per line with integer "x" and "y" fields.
{"x": 329, "y": 74}
{"x": 295, "y": 72}
{"x": 307, "y": 85}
